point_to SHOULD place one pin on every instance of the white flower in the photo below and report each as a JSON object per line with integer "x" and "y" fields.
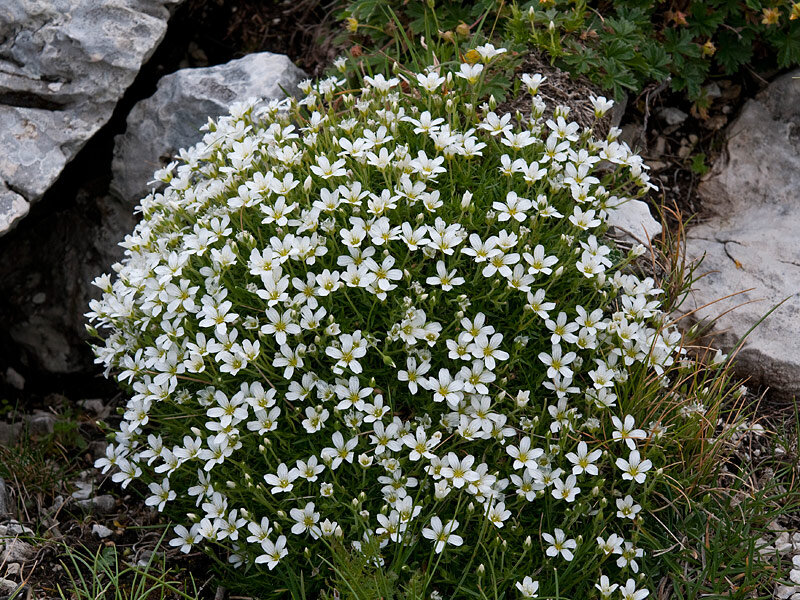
{"x": 561, "y": 329}
{"x": 488, "y": 51}
{"x": 498, "y": 514}
{"x": 605, "y": 587}
{"x": 186, "y": 537}
{"x": 458, "y": 472}
{"x": 488, "y": 349}
{"x": 601, "y": 105}
{"x": 626, "y": 431}
{"x": 538, "y": 262}
{"x": 414, "y": 374}
{"x": 528, "y": 587}
{"x": 325, "y": 169}
{"x": 427, "y": 168}
{"x": 565, "y": 490}
{"x": 442, "y": 534}
{"x": 524, "y": 456}
{"x": 559, "y": 544}
{"x": 282, "y": 481}
{"x": 305, "y": 520}
{"x": 634, "y": 468}
{"x": 629, "y": 592}
{"x": 443, "y": 278}
{"x": 273, "y": 552}
{"x": 627, "y": 508}
{"x": 161, "y": 494}
{"x": 533, "y": 81}
{"x": 557, "y": 363}
{"x": 514, "y": 208}
{"x": 341, "y": 450}
{"x": 583, "y": 460}
{"x": 470, "y": 72}
{"x": 351, "y": 348}
{"x": 613, "y": 545}
{"x": 430, "y": 81}
{"x": 445, "y": 388}
{"x": 420, "y": 444}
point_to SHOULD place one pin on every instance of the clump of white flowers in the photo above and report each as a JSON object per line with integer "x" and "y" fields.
{"x": 388, "y": 314}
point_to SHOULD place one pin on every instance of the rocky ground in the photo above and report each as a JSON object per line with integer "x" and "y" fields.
{"x": 86, "y": 118}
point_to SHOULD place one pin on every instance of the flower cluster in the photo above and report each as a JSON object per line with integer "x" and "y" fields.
{"x": 389, "y": 315}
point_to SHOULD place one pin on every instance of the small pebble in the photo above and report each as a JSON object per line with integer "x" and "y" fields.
{"x": 101, "y": 531}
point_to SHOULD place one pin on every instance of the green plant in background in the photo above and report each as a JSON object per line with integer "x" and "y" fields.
{"x": 624, "y": 45}
{"x": 621, "y": 46}
{"x": 698, "y": 165}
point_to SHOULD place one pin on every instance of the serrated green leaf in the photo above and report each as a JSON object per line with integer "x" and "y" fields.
{"x": 789, "y": 50}
{"x": 733, "y": 50}
{"x": 705, "y": 19}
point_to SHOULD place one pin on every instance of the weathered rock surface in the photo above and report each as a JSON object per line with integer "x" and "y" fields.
{"x": 46, "y": 267}
{"x": 99, "y": 504}
{"x": 751, "y": 239}
{"x": 632, "y": 220}
{"x": 14, "y": 550}
{"x": 170, "y": 119}
{"x": 64, "y": 65}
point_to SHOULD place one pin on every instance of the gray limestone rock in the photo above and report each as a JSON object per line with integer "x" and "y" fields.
{"x": 7, "y": 587}
{"x": 170, "y": 119}
{"x": 14, "y": 549}
{"x": 101, "y": 531}
{"x": 751, "y": 239}
{"x": 40, "y": 424}
{"x": 64, "y": 65}
{"x": 99, "y": 504}
{"x": 9, "y": 433}
{"x": 633, "y": 222}
{"x": 12, "y": 207}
